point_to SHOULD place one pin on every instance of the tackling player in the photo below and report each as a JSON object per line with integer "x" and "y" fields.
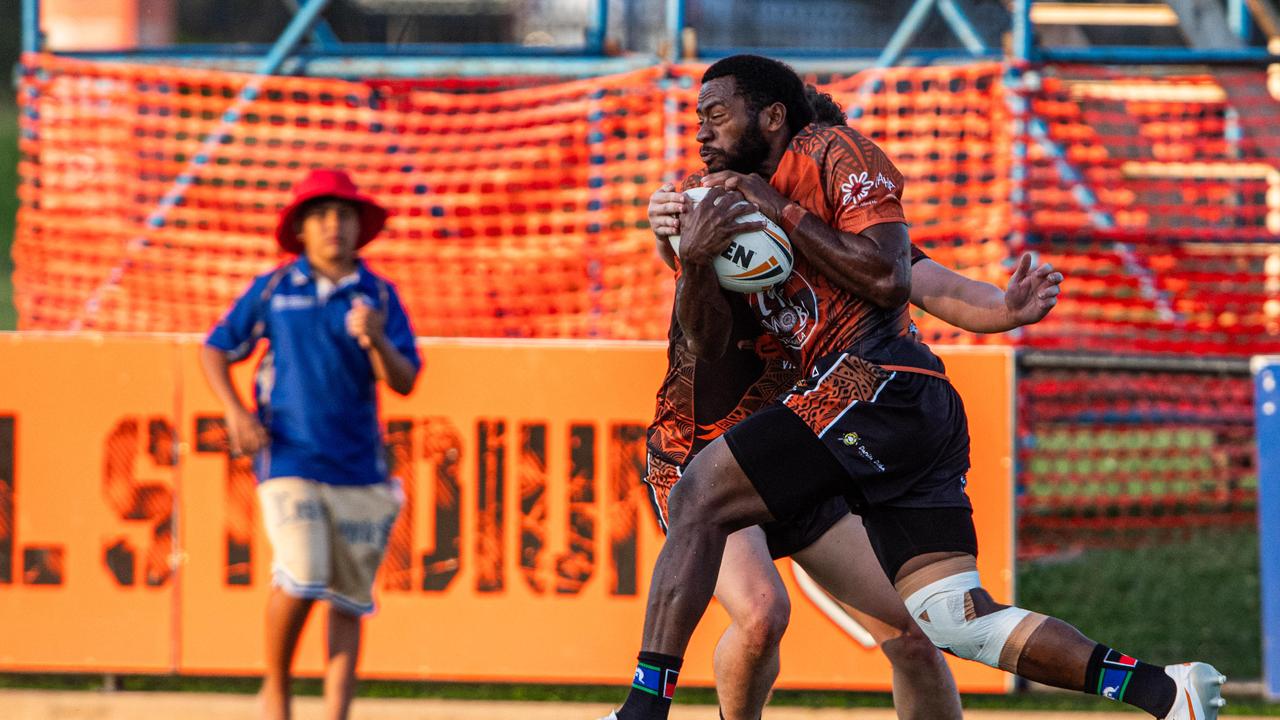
{"x": 874, "y": 420}
{"x": 701, "y": 397}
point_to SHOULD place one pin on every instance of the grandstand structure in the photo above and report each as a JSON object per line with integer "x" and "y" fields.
{"x": 518, "y": 178}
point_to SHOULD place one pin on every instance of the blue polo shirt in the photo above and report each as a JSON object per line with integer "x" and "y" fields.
{"x": 315, "y": 386}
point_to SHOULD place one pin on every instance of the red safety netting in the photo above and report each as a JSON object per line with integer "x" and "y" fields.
{"x": 1116, "y": 457}
{"x": 1159, "y": 196}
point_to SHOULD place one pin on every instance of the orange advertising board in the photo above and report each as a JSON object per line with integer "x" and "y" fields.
{"x": 526, "y": 524}
{"x": 88, "y": 461}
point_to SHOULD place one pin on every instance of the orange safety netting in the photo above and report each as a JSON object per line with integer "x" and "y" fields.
{"x": 516, "y": 212}
{"x": 519, "y": 203}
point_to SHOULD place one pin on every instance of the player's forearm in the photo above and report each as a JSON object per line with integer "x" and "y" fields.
{"x": 703, "y": 312}
{"x": 877, "y": 269}
{"x": 667, "y": 255}
{"x": 960, "y": 301}
{"x": 392, "y": 367}
{"x": 217, "y": 369}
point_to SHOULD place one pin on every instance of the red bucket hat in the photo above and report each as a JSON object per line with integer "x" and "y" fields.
{"x": 329, "y": 184}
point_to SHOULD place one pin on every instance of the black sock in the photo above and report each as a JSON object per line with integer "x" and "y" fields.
{"x": 1116, "y": 676}
{"x": 652, "y": 688}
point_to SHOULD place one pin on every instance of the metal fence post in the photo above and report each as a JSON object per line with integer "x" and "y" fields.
{"x": 1266, "y": 400}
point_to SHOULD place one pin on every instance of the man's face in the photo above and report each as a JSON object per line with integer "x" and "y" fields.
{"x": 329, "y": 230}
{"x": 728, "y": 131}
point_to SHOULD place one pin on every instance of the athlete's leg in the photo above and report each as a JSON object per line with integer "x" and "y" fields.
{"x": 752, "y": 593}
{"x": 340, "y": 669}
{"x": 286, "y": 616}
{"x": 943, "y": 592}
{"x": 713, "y": 499}
{"x": 842, "y": 562}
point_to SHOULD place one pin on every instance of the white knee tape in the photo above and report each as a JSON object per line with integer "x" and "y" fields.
{"x": 939, "y": 609}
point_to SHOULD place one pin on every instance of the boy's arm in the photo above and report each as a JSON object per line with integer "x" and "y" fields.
{"x": 874, "y": 263}
{"x": 244, "y": 432}
{"x": 389, "y": 340}
{"x": 391, "y": 366}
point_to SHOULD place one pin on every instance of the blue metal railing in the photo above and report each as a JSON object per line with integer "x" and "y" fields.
{"x": 326, "y": 43}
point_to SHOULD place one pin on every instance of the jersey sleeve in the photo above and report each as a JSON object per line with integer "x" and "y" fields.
{"x": 244, "y": 325}
{"x": 399, "y": 331}
{"x": 862, "y": 185}
{"x": 692, "y": 180}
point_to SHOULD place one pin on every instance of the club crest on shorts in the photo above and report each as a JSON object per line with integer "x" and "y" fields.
{"x": 849, "y": 439}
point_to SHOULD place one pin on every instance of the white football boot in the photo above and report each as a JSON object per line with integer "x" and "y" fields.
{"x": 1199, "y": 691}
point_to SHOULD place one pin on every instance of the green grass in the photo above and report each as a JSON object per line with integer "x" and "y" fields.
{"x": 8, "y": 210}
{"x": 1196, "y": 599}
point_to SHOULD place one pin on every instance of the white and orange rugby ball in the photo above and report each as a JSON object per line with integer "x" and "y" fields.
{"x": 755, "y": 260}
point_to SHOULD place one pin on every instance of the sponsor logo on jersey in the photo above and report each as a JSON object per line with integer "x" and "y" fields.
{"x": 860, "y": 185}
{"x": 292, "y": 302}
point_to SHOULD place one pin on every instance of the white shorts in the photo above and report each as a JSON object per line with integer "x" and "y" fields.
{"x": 328, "y": 540}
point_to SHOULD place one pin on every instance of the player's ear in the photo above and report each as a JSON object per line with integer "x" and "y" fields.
{"x": 774, "y": 117}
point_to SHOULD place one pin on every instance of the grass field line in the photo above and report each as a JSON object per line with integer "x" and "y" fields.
{"x": 71, "y": 705}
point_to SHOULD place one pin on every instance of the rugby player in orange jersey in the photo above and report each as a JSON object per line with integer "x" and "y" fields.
{"x": 874, "y": 419}
{"x": 701, "y": 398}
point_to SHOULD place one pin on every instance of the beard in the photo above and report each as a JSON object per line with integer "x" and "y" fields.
{"x": 747, "y": 154}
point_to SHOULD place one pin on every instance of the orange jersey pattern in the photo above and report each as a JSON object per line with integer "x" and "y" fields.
{"x": 846, "y": 181}
{"x": 698, "y": 401}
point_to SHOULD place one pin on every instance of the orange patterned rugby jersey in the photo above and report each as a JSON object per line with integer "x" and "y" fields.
{"x": 844, "y": 179}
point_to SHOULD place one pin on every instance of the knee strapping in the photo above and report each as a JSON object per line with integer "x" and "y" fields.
{"x": 945, "y": 612}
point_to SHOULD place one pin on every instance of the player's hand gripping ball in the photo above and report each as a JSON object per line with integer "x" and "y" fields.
{"x": 755, "y": 259}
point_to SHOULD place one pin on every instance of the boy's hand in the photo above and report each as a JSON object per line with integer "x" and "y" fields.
{"x": 364, "y": 323}
{"x": 245, "y": 432}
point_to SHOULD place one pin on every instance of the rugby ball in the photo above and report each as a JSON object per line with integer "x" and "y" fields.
{"x": 755, "y": 260}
